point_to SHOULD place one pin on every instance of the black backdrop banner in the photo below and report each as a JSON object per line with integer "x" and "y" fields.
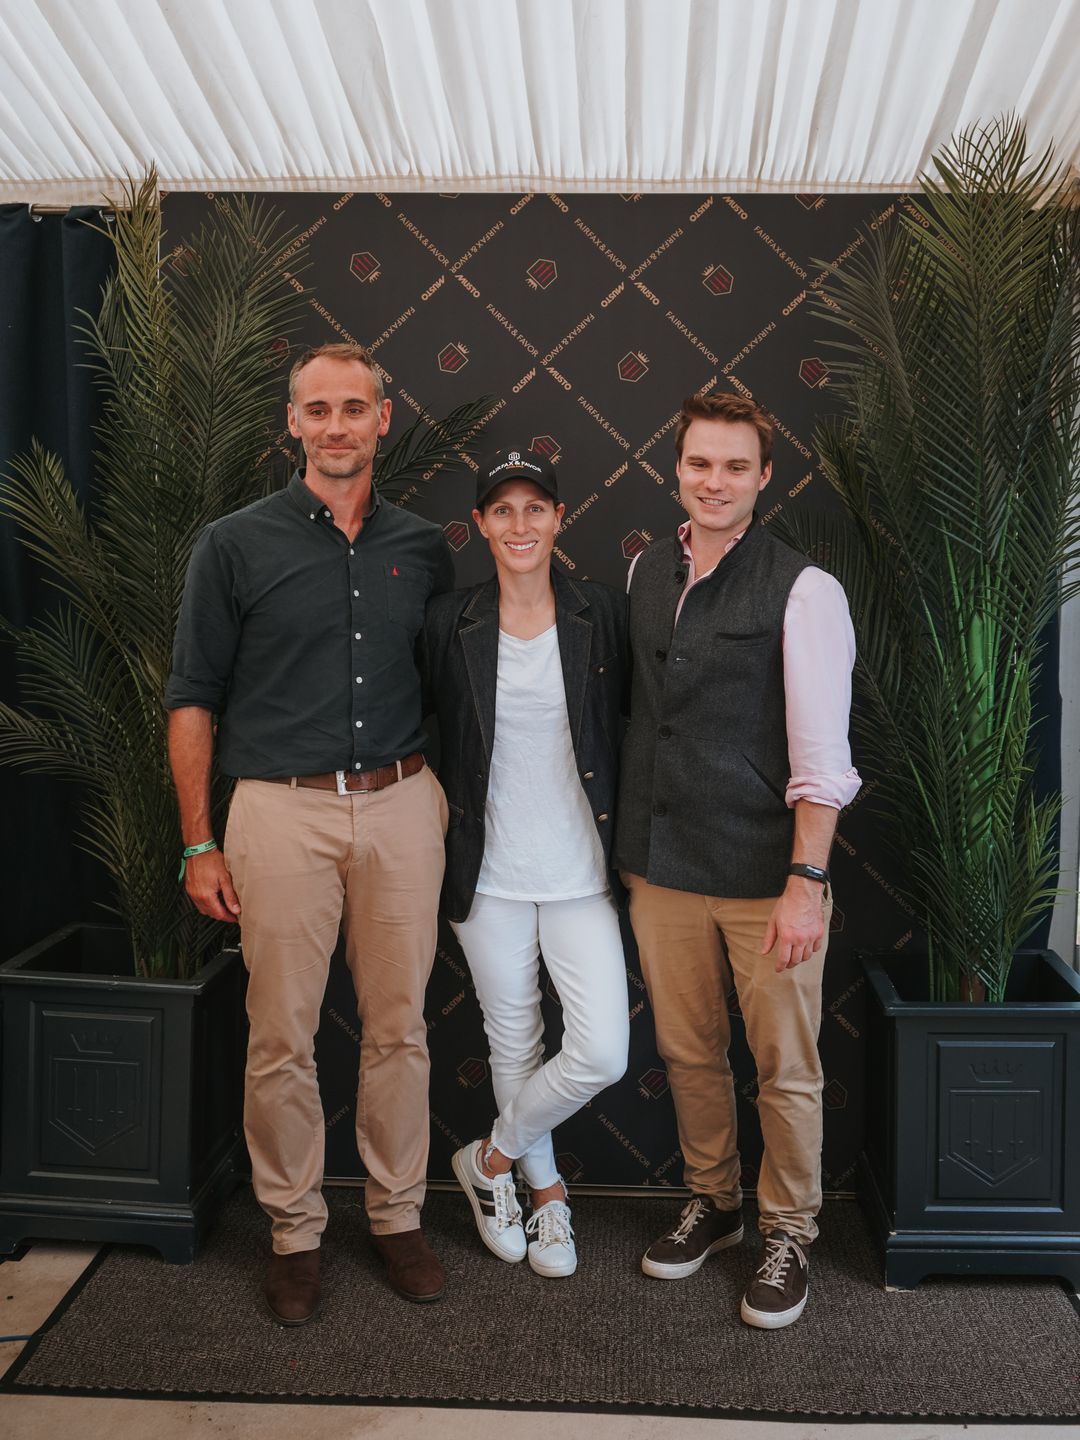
{"x": 588, "y": 318}
{"x": 52, "y": 267}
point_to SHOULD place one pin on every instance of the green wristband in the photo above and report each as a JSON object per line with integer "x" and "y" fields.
{"x": 194, "y": 850}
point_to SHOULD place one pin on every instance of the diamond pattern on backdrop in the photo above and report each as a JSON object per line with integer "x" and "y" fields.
{"x": 587, "y": 318}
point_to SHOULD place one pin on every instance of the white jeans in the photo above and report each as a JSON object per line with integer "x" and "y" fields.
{"x": 582, "y": 948}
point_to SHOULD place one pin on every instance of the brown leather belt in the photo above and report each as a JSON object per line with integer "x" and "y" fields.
{"x": 348, "y": 782}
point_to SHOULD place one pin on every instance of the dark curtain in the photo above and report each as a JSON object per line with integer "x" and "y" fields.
{"x": 51, "y": 267}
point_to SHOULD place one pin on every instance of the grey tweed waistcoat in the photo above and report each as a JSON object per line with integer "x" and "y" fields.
{"x": 705, "y": 759}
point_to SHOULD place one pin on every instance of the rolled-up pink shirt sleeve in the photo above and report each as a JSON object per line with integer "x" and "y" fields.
{"x": 819, "y": 654}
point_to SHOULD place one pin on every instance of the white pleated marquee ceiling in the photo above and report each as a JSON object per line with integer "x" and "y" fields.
{"x": 467, "y": 95}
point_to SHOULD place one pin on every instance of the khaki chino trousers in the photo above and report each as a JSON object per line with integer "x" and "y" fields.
{"x": 694, "y": 949}
{"x": 306, "y": 863}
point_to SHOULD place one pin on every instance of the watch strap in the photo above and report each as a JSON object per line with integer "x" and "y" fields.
{"x": 809, "y": 872}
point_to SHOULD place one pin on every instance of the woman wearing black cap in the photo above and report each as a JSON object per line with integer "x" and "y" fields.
{"x": 526, "y": 675}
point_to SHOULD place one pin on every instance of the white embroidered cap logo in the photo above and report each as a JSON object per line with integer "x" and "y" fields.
{"x": 515, "y": 457}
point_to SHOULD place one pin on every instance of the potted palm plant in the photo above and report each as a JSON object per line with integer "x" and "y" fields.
{"x": 956, "y": 461}
{"x": 122, "y": 1047}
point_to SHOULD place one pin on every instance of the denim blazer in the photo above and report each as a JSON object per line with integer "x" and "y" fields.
{"x": 458, "y": 653}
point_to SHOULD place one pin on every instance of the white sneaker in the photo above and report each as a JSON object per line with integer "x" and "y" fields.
{"x": 552, "y": 1253}
{"x": 494, "y": 1203}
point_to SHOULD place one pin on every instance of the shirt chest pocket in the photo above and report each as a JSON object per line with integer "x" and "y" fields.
{"x": 407, "y": 590}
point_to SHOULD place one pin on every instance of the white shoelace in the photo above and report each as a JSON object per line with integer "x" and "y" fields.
{"x": 779, "y": 1252}
{"x": 691, "y": 1214}
{"x": 551, "y": 1224}
{"x": 507, "y": 1209}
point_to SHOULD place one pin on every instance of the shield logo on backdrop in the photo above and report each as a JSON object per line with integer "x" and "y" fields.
{"x": 633, "y": 366}
{"x": 95, "y": 1100}
{"x": 569, "y": 1166}
{"x": 718, "y": 280}
{"x": 633, "y": 544}
{"x": 813, "y": 372}
{"x": 364, "y": 266}
{"x": 457, "y": 534}
{"x": 541, "y": 274}
{"x": 545, "y": 445}
{"x": 834, "y": 1096}
{"x": 181, "y": 258}
{"x": 811, "y": 202}
{"x": 453, "y": 357}
{"x": 993, "y": 1134}
{"x": 277, "y": 351}
{"x": 654, "y": 1083}
{"x": 472, "y": 1072}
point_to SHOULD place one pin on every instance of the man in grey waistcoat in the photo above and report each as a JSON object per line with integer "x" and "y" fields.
{"x": 734, "y": 767}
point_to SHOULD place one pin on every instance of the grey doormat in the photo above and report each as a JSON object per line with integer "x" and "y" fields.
{"x": 606, "y": 1337}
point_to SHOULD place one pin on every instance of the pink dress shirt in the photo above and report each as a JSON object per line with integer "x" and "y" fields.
{"x": 819, "y": 652}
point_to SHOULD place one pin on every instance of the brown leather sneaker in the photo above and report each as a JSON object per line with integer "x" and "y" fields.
{"x": 412, "y": 1267}
{"x": 777, "y": 1294}
{"x": 701, "y": 1231}
{"x": 292, "y": 1287}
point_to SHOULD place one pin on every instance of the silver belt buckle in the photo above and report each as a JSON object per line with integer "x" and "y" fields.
{"x": 339, "y": 776}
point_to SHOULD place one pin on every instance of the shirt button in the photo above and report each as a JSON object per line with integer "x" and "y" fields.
{"x": 356, "y": 592}
{"x": 351, "y": 550}
{"x": 359, "y": 724}
{"x": 327, "y": 514}
{"x": 358, "y": 636}
{"x": 359, "y": 679}
{"x": 312, "y": 515}
{"x": 588, "y": 775}
{"x": 600, "y": 669}
{"x": 601, "y": 818}
{"x": 664, "y": 732}
{"x": 357, "y": 765}
{"x": 659, "y": 811}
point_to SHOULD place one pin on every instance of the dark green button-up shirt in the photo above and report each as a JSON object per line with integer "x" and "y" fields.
{"x": 300, "y": 641}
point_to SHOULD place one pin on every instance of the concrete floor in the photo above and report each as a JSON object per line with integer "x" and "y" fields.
{"x": 32, "y": 1287}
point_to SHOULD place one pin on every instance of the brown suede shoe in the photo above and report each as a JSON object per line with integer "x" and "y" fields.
{"x": 292, "y": 1287}
{"x": 412, "y": 1267}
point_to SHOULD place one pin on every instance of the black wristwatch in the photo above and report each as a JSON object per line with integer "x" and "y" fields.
{"x": 810, "y": 872}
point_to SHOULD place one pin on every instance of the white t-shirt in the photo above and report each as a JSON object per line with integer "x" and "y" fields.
{"x": 541, "y": 837}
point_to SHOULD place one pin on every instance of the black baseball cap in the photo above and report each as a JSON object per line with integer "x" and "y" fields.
{"x": 511, "y": 464}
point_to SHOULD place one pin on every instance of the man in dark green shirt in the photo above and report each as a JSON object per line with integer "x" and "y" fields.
{"x": 296, "y": 632}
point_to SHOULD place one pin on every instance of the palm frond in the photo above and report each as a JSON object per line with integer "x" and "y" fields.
{"x": 183, "y": 361}
{"x": 184, "y": 351}
{"x": 957, "y": 466}
{"x": 427, "y": 446}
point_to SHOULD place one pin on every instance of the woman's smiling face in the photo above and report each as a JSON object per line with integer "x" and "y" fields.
{"x": 520, "y": 521}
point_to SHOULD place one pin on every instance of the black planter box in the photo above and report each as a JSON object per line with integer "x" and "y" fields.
{"x": 972, "y": 1159}
{"x": 120, "y": 1098}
